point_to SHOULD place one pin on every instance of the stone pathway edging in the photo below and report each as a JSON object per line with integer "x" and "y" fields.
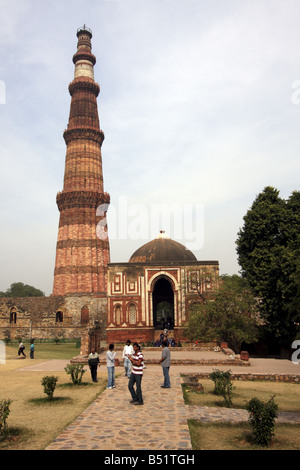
{"x": 233, "y": 415}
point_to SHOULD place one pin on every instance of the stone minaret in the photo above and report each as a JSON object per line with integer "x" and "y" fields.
{"x": 82, "y": 251}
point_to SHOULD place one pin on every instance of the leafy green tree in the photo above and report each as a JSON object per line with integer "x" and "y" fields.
{"x": 76, "y": 372}
{"x": 49, "y": 384}
{"x": 268, "y": 248}
{"x": 230, "y": 314}
{"x": 18, "y": 289}
{"x": 223, "y": 385}
{"x": 262, "y": 418}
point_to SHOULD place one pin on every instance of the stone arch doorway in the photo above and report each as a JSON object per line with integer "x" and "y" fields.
{"x": 163, "y": 304}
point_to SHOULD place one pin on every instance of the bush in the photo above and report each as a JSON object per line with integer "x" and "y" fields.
{"x": 262, "y": 419}
{"x": 4, "y": 412}
{"x": 76, "y": 372}
{"x": 49, "y": 384}
{"x": 223, "y": 385}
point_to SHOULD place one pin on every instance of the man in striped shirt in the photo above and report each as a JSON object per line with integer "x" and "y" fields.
{"x": 136, "y": 375}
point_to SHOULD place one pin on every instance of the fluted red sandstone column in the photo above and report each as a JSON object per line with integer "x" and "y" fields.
{"x": 81, "y": 256}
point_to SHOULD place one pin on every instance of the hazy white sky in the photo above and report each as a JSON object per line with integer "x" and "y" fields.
{"x": 199, "y": 104}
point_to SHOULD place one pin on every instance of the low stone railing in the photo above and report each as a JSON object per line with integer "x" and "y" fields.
{"x": 289, "y": 378}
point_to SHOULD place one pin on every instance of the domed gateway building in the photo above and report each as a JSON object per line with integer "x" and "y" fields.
{"x": 153, "y": 291}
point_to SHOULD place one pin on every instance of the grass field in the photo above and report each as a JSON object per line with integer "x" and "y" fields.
{"x": 34, "y": 421}
{"x": 226, "y": 436}
{"x": 287, "y": 395}
{"x": 45, "y": 351}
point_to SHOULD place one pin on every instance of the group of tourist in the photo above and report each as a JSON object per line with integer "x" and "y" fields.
{"x": 21, "y": 349}
{"x": 164, "y": 337}
{"x": 133, "y": 361}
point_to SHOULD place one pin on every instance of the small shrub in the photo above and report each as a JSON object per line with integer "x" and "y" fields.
{"x": 49, "y": 384}
{"x": 4, "y": 412}
{"x": 262, "y": 420}
{"x": 223, "y": 385}
{"x": 76, "y": 372}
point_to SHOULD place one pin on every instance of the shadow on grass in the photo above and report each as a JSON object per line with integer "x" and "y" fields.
{"x": 13, "y": 436}
{"x": 210, "y": 398}
{"x": 50, "y": 401}
{"x": 72, "y": 385}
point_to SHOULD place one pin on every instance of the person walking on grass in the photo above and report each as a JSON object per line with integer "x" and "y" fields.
{"x": 32, "y": 350}
{"x": 21, "y": 349}
{"x": 165, "y": 363}
{"x": 136, "y": 376}
{"x": 110, "y": 361}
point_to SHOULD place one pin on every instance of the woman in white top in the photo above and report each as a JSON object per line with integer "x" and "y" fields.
{"x": 127, "y": 351}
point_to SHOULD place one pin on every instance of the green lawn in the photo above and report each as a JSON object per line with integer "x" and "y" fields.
{"x": 45, "y": 351}
{"x": 226, "y": 436}
{"x": 287, "y": 395}
{"x": 33, "y": 421}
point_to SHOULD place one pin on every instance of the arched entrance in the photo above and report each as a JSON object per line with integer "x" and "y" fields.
{"x": 163, "y": 304}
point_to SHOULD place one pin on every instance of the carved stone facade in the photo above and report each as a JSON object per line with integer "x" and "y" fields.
{"x": 154, "y": 290}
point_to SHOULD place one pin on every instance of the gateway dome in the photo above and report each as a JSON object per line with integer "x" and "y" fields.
{"x": 162, "y": 249}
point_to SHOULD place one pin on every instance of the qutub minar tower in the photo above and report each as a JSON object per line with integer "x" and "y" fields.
{"x": 81, "y": 255}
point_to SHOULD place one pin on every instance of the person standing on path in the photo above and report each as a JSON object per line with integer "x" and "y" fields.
{"x": 94, "y": 362}
{"x": 127, "y": 351}
{"x": 110, "y": 361}
{"x": 136, "y": 376}
{"x": 165, "y": 362}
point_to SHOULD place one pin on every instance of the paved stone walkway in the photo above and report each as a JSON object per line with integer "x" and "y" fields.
{"x": 111, "y": 422}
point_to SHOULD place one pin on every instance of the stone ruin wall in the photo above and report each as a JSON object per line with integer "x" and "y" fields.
{"x": 39, "y": 317}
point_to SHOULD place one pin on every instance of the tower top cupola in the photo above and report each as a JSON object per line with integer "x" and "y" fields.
{"x": 84, "y": 60}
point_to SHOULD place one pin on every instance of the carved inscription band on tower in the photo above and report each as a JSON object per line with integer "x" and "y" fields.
{"x": 82, "y": 257}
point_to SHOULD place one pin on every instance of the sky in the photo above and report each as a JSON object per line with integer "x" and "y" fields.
{"x": 199, "y": 104}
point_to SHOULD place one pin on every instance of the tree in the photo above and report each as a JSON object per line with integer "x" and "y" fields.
{"x": 18, "y": 289}
{"x": 230, "y": 314}
{"x": 268, "y": 248}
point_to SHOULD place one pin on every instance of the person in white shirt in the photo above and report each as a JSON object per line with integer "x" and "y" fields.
{"x": 110, "y": 361}
{"x": 136, "y": 376}
{"x": 127, "y": 351}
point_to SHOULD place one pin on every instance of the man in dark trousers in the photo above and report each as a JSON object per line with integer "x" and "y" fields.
{"x": 93, "y": 361}
{"x": 136, "y": 375}
{"x": 165, "y": 362}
